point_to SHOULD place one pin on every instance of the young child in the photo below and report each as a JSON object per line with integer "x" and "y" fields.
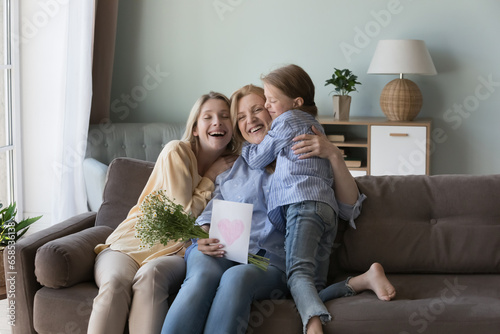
{"x": 301, "y": 198}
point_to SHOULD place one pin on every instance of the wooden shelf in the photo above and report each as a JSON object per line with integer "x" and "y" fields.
{"x": 363, "y": 139}
{"x": 362, "y": 168}
{"x": 352, "y": 143}
{"x": 371, "y": 121}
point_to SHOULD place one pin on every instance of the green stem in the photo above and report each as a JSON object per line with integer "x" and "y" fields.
{"x": 259, "y": 261}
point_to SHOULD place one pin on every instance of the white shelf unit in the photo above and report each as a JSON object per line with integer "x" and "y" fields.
{"x": 384, "y": 147}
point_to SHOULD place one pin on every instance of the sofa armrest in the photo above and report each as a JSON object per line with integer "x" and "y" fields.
{"x": 94, "y": 174}
{"x": 69, "y": 260}
{"x": 23, "y": 285}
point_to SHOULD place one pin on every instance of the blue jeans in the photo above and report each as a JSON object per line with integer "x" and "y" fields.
{"x": 337, "y": 290}
{"x": 310, "y": 232}
{"x": 217, "y": 295}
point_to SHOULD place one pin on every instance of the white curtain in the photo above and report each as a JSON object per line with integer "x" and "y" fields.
{"x": 69, "y": 196}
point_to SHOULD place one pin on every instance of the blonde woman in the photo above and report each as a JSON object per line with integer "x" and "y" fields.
{"x": 217, "y": 294}
{"x": 134, "y": 282}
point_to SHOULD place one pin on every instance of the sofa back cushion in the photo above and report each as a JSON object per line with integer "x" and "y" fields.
{"x": 431, "y": 224}
{"x": 126, "y": 179}
{"x": 143, "y": 141}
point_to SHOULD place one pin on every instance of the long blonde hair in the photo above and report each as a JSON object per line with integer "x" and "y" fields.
{"x": 234, "y": 145}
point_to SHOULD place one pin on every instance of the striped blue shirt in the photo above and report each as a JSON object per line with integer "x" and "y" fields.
{"x": 294, "y": 180}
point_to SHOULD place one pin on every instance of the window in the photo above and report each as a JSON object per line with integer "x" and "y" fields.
{"x": 10, "y": 167}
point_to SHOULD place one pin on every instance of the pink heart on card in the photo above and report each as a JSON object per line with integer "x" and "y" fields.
{"x": 230, "y": 230}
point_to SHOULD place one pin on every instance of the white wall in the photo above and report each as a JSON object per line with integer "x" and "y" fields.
{"x": 169, "y": 52}
{"x": 202, "y": 45}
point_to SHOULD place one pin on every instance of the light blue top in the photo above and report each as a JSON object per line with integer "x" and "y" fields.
{"x": 245, "y": 185}
{"x": 294, "y": 180}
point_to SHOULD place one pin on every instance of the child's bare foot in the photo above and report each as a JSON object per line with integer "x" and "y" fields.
{"x": 314, "y": 326}
{"x": 374, "y": 279}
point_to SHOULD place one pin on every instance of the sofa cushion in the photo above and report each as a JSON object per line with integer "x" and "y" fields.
{"x": 430, "y": 304}
{"x": 125, "y": 182}
{"x": 94, "y": 174}
{"x": 69, "y": 260}
{"x": 428, "y": 224}
{"x": 64, "y": 310}
{"x": 143, "y": 141}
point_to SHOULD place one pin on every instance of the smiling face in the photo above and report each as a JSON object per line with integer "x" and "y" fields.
{"x": 213, "y": 126}
{"x": 276, "y": 101}
{"x": 253, "y": 119}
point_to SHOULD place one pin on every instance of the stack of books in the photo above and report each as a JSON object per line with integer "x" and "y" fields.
{"x": 350, "y": 162}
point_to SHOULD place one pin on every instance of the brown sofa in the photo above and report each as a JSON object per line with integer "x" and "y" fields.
{"x": 438, "y": 238}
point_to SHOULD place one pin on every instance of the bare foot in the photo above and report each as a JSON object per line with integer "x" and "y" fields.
{"x": 374, "y": 279}
{"x": 314, "y": 326}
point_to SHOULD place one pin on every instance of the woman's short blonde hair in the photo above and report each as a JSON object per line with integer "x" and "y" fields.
{"x": 235, "y": 99}
{"x": 234, "y": 145}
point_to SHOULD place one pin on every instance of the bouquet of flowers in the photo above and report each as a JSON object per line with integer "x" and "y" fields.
{"x": 162, "y": 221}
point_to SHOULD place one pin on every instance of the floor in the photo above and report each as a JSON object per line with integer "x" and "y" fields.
{"x": 4, "y": 326}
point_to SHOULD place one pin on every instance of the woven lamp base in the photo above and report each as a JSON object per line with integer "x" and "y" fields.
{"x": 401, "y": 100}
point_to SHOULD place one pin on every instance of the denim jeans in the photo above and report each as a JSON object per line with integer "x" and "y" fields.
{"x": 337, "y": 290}
{"x": 310, "y": 233}
{"x": 217, "y": 295}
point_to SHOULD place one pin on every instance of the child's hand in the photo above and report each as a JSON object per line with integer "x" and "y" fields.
{"x": 211, "y": 247}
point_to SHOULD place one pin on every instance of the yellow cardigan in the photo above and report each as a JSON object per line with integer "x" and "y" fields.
{"x": 175, "y": 171}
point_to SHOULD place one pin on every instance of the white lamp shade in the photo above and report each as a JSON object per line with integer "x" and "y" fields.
{"x": 408, "y": 56}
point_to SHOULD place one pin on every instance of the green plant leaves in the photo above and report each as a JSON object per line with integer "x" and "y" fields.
{"x": 10, "y": 229}
{"x": 8, "y": 213}
{"x": 26, "y": 222}
{"x": 344, "y": 81}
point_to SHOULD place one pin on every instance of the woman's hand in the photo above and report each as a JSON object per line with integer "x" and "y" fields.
{"x": 316, "y": 146}
{"x": 220, "y": 165}
{"x": 211, "y": 246}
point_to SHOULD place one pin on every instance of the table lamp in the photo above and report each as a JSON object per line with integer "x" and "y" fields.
{"x": 401, "y": 98}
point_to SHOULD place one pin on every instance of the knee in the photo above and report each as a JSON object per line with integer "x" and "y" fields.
{"x": 164, "y": 273}
{"x": 202, "y": 280}
{"x": 113, "y": 291}
{"x": 115, "y": 284}
{"x": 237, "y": 279}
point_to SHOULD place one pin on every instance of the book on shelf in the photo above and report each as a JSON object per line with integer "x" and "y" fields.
{"x": 352, "y": 163}
{"x": 336, "y": 138}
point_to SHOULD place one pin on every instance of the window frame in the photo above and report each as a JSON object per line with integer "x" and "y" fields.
{"x": 10, "y": 67}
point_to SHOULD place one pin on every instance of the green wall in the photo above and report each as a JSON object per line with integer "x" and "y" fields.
{"x": 170, "y": 52}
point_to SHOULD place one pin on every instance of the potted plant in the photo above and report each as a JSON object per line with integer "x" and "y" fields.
{"x": 345, "y": 82}
{"x": 11, "y": 231}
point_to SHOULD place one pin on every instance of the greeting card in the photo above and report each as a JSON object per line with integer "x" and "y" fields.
{"x": 231, "y": 224}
